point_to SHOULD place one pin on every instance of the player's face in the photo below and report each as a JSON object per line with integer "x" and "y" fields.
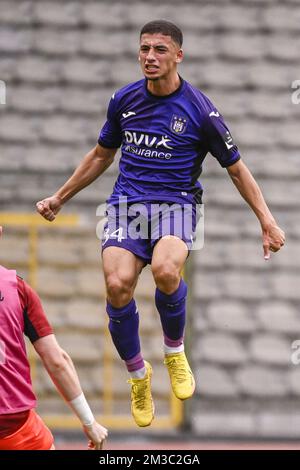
{"x": 159, "y": 56}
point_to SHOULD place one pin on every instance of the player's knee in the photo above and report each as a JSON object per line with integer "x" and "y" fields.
{"x": 119, "y": 290}
{"x": 166, "y": 277}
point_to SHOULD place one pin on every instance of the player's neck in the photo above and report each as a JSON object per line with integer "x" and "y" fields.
{"x": 164, "y": 86}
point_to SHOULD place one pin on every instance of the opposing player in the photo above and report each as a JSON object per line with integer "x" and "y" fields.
{"x": 165, "y": 128}
{"x": 21, "y": 428}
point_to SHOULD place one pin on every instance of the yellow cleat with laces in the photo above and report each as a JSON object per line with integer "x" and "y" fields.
{"x": 142, "y": 407}
{"x": 181, "y": 376}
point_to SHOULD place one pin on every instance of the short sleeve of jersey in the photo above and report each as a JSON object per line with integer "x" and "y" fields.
{"x": 36, "y": 324}
{"x": 110, "y": 134}
{"x": 219, "y": 140}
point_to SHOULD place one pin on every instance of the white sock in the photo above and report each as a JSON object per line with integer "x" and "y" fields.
{"x": 170, "y": 350}
{"x": 138, "y": 374}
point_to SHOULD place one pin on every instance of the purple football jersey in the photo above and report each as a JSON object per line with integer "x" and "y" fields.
{"x": 164, "y": 140}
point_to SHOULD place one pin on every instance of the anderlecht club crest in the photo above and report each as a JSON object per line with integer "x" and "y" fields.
{"x": 178, "y": 124}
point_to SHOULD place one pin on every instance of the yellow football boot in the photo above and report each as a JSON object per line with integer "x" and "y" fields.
{"x": 181, "y": 376}
{"x": 142, "y": 407}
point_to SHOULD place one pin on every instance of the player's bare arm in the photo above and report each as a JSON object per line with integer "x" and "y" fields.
{"x": 90, "y": 168}
{"x": 273, "y": 236}
{"x": 61, "y": 369}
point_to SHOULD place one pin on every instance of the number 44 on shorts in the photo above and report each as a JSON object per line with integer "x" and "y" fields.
{"x": 118, "y": 234}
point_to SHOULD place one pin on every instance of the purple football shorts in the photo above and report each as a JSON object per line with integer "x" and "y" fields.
{"x": 138, "y": 227}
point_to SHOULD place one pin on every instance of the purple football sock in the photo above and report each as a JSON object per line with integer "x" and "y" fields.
{"x": 173, "y": 343}
{"x": 123, "y": 327}
{"x": 171, "y": 309}
{"x": 136, "y": 363}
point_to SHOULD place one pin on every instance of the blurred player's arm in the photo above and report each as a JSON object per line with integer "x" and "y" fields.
{"x": 90, "y": 168}
{"x": 61, "y": 369}
{"x": 57, "y": 362}
{"x": 273, "y": 236}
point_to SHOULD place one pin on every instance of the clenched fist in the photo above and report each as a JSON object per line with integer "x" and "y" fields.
{"x": 49, "y": 207}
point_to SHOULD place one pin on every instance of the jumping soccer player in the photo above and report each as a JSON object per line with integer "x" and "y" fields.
{"x": 21, "y": 428}
{"x": 165, "y": 128}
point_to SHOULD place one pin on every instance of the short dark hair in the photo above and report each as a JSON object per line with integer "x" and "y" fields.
{"x": 164, "y": 27}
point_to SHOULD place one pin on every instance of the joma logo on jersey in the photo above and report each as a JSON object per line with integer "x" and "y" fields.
{"x": 178, "y": 124}
{"x": 147, "y": 140}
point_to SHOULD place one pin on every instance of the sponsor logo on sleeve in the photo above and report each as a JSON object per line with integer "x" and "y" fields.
{"x": 228, "y": 140}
